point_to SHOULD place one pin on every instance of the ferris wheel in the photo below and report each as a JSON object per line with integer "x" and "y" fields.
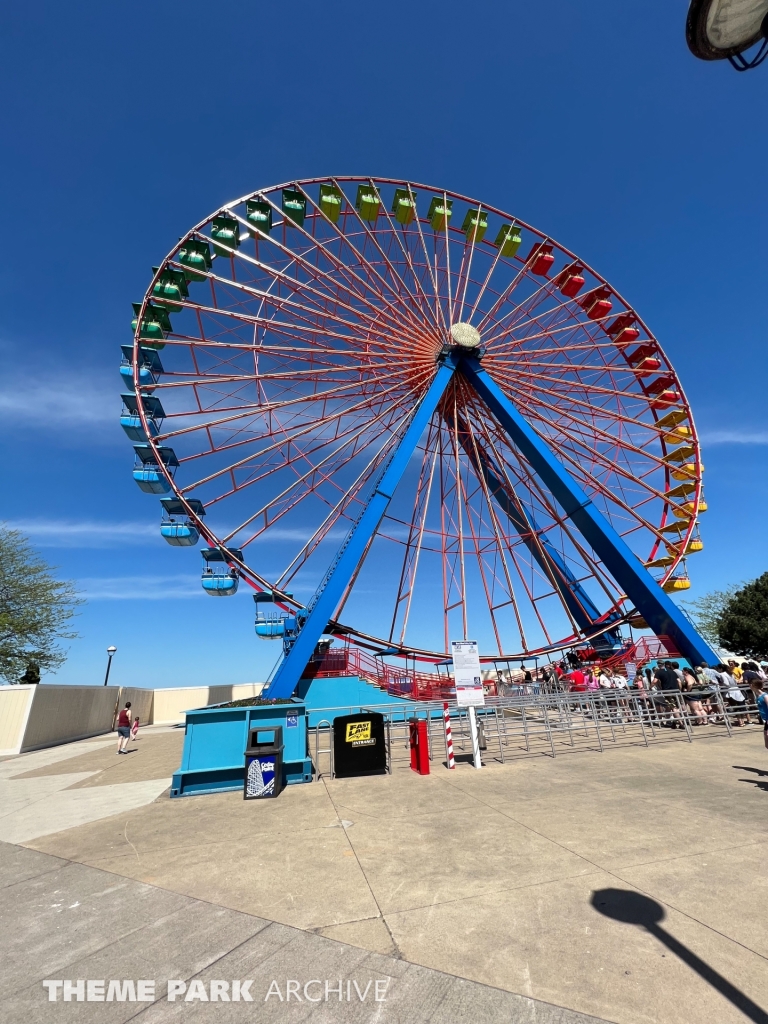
{"x": 403, "y": 416}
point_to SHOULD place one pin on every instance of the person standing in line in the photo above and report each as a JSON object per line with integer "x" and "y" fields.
{"x": 669, "y": 685}
{"x": 733, "y": 695}
{"x": 762, "y": 710}
{"x": 691, "y": 682}
{"x": 124, "y": 728}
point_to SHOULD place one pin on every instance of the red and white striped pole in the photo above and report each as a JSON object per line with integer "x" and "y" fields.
{"x": 448, "y": 737}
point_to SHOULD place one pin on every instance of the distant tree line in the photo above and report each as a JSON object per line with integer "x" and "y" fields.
{"x": 735, "y": 618}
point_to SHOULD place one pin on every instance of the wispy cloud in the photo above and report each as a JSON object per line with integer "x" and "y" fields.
{"x": 144, "y": 588}
{"x": 84, "y": 533}
{"x": 64, "y": 399}
{"x": 89, "y": 533}
{"x": 734, "y": 437}
{"x": 158, "y": 588}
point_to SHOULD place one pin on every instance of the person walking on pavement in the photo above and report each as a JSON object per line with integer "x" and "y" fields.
{"x": 124, "y": 728}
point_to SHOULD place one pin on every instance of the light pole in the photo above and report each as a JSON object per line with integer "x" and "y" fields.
{"x": 110, "y": 653}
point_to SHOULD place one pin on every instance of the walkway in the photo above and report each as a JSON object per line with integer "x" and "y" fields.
{"x": 514, "y": 879}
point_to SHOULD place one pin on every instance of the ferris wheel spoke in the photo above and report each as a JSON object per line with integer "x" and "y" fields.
{"x": 513, "y": 319}
{"x": 478, "y": 463}
{"x": 424, "y": 303}
{"x": 463, "y": 274}
{"x": 295, "y": 330}
{"x": 321, "y": 298}
{"x": 397, "y": 278}
{"x": 505, "y": 296}
{"x": 307, "y": 428}
{"x": 530, "y": 483}
{"x": 597, "y": 485}
{"x": 439, "y": 312}
{"x": 303, "y": 478}
{"x": 400, "y": 316}
{"x": 562, "y": 388}
{"x": 397, "y": 287}
{"x": 337, "y": 512}
{"x": 484, "y": 286}
{"x": 560, "y": 326}
{"x": 592, "y": 430}
{"x": 416, "y": 528}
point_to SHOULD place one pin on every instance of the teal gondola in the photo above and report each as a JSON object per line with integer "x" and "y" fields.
{"x": 271, "y": 622}
{"x": 176, "y": 527}
{"x": 150, "y": 367}
{"x": 130, "y": 420}
{"x": 147, "y": 472}
{"x": 221, "y": 580}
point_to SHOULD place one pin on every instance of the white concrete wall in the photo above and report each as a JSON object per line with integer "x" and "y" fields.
{"x": 60, "y": 714}
{"x": 32, "y": 717}
{"x": 170, "y": 705}
{"x": 141, "y": 703}
{"x": 15, "y": 702}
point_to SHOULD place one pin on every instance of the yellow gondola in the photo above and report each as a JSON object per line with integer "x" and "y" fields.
{"x": 679, "y": 435}
{"x": 674, "y": 528}
{"x": 672, "y": 419}
{"x": 682, "y": 490}
{"x": 682, "y": 454}
{"x": 676, "y": 583}
{"x": 687, "y": 471}
{"x": 660, "y": 563}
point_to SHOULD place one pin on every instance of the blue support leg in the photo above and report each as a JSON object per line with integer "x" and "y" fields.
{"x": 325, "y": 601}
{"x": 659, "y": 611}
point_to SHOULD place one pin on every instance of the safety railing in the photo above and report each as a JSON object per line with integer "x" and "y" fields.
{"x": 529, "y": 724}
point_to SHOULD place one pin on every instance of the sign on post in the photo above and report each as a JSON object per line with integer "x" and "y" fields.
{"x": 469, "y": 687}
{"x": 466, "y": 673}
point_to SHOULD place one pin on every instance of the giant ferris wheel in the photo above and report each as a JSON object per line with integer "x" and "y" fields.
{"x": 402, "y": 416}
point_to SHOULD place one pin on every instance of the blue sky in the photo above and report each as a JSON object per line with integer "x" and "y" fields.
{"x": 125, "y": 124}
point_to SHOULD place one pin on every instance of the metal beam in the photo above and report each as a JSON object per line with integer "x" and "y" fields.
{"x": 657, "y": 608}
{"x": 321, "y": 608}
{"x": 584, "y": 612}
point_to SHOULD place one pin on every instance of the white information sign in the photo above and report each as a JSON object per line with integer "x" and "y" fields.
{"x": 466, "y": 673}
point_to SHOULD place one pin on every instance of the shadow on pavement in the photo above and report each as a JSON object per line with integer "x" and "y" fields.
{"x": 633, "y": 908}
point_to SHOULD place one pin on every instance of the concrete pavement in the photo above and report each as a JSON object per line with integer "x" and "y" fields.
{"x": 484, "y": 877}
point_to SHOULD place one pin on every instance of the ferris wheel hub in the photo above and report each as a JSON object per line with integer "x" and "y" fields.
{"x": 465, "y": 335}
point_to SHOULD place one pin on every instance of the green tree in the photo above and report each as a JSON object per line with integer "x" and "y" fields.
{"x": 743, "y": 622}
{"x": 706, "y": 610}
{"x": 35, "y": 610}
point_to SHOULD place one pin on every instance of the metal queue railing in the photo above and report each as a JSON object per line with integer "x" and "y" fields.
{"x": 530, "y": 724}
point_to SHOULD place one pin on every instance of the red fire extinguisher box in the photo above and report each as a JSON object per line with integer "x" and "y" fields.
{"x": 419, "y": 746}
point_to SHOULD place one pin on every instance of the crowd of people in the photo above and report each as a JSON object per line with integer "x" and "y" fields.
{"x": 704, "y": 695}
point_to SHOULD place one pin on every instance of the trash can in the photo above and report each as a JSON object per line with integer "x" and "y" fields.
{"x": 263, "y": 763}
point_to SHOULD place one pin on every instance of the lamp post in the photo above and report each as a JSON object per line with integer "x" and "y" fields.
{"x": 110, "y": 653}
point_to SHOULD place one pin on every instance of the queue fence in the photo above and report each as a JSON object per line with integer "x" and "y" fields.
{"x": 536, "y": 724}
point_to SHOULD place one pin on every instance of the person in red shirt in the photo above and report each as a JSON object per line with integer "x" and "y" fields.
{"x": 576, "y": 681}
{"x": 124, "y": 728}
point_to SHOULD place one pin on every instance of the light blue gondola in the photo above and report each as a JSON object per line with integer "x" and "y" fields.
{"x": 271, "y": 622}
{"x": 147, "y": 472}
{"x": 221, "y": 580}
{"x": 176, "y": 526}
{"x": 180, "y": 535}
{"x": 150, "y": 367}
{"x": 130, "y": 420}
{"x": 218, "y": 585}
